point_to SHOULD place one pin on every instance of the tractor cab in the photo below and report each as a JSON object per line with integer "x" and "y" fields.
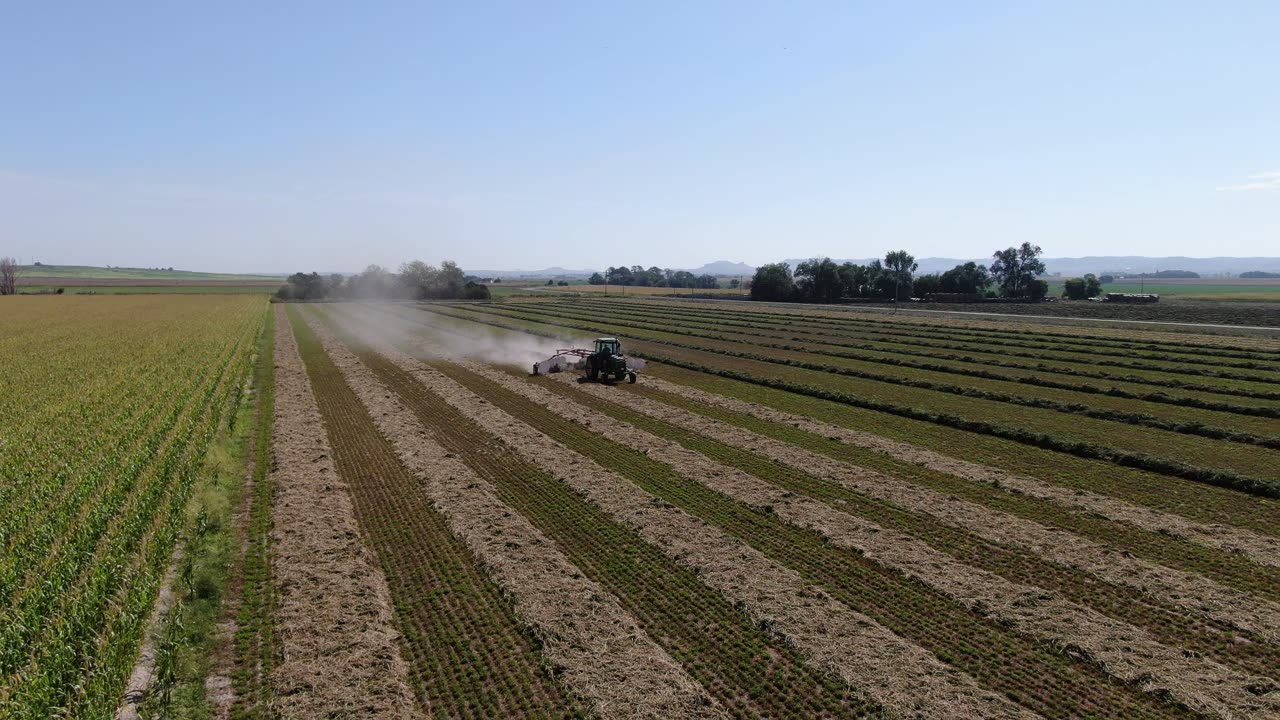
{"x": 608, "y": 346}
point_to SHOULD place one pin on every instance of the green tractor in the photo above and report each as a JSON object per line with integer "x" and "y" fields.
{"x": 606, "y": 362}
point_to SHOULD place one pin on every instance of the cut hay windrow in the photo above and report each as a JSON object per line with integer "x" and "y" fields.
{"x": 1182, "y": 440}
{"x": 465, "y": 651}
{"x": 1078, "y": 339}
{"x": 1016, "y": 550}
{"x": 984, "y": 350}
{"x": 1187, "y": 412}
{"x": 856, "y": 581}
{"x": 336, "y": 634}
{"x": 1025, "y": 495}
{"x": 595, "y": 647}
{"x": 864, "y": 655}
{"x": 1077, "y": 465}
{"x": 727, "y": 650}
{"x": 1163, "y": 537}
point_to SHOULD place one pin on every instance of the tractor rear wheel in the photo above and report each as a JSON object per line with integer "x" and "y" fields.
{"x": 592, "y": 373}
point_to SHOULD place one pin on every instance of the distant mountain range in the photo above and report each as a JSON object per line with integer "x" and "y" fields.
{"x": 719, "y": 268}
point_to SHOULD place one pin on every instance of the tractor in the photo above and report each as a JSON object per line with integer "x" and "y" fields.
{"x": 605, "y": 362}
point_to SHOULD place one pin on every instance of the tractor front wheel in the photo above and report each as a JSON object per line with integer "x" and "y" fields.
{"x": 631, "y": 378}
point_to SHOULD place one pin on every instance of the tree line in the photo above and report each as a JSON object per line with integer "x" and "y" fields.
{"x": 654, "y": 277}
{"x": 1013, "y": 273}
{"x": 415, "y": 281}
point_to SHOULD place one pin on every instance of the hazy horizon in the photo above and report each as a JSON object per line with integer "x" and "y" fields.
{"x": 248, "y": 138}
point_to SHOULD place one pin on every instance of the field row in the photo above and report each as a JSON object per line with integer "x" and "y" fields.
{"x": 1074, "y": 362}
{"x": 1183, "y": 347}
{"x": 1011, "y": 660}
{"x": 1189, "y": 413}
{"x": 464, "y": 646}
{"x": 90, "y": 524}
{"x": 1247, "y": 468}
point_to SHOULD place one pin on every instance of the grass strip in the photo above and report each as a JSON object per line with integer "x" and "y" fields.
{"x": 256, "y": 651}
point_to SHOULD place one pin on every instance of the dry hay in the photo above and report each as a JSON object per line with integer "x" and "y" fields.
{"x": 900, "y": 675}
{"x": 1122, "y": 650}
{"x": 334, "y": 617}
{"x": 1260, "y": 548}
{"x": 606, "y": 658}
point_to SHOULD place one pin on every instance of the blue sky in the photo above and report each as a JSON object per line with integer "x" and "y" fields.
{"x": 278, "y": 136}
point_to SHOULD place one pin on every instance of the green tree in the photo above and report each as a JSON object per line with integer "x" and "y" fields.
{"x": 683, "y": 279}
{"x": 450, "y": 282}
{"x": 818, "y": 280}
{"x": 969, "y": 278}
{"x": 595, "y": 279}
{"x": 857, "y": 280}
{"x": 926, "y": 285}
{"x": 475, "y": 291}
{"x": 773, "y": 282}
{"x": 1074, "y": 289}
{"x": 1015, "y": 271}
{"x": 620, "y": 275}
{"x": 1092, "y": 286}
{"x": 418, "y": 278}
{"x": 900, "y": 265}
{"x": 304, "y": 286}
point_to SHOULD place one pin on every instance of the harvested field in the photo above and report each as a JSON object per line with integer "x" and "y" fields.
{"x": 334, "y": 615}
{"x": 1123, "y": 556}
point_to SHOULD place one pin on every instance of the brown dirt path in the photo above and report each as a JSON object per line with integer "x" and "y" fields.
{"x": 335, "y": 628}
{"x": 606, "y": 658}
{"x": 1260, "y": 548}
{"x": 1125, "y": 651}
{"x": 897, "y": 673}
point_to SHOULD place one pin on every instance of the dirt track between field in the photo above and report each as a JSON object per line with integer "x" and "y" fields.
{"x": 335, "y": 628}
{"x": 606, "y": 657}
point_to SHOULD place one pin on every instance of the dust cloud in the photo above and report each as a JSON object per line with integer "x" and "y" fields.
{"x": 395, "y": 323}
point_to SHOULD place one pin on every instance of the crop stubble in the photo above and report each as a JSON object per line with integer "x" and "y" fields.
{"x": 597, "y": 648}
